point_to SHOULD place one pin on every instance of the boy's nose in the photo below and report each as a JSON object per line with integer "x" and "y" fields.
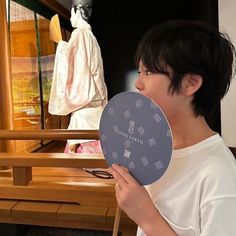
{"x": 138, "y": 84}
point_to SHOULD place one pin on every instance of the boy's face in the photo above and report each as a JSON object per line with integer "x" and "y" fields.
{"x": 156, "y": 86}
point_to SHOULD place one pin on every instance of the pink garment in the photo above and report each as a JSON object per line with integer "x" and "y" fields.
{"x": 87, "y": 147}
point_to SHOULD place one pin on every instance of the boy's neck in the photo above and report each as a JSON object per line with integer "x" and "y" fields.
{"x": 190, "y": 131}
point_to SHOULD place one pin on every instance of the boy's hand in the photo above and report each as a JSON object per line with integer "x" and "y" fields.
{"x": 132, "y": 198}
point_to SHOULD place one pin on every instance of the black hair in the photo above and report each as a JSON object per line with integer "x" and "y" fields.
{"x": 85, "y": 9}
{"x": 179, "y": 47}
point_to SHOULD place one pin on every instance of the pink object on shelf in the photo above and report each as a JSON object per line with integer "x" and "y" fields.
{"x": 87, "y": 147}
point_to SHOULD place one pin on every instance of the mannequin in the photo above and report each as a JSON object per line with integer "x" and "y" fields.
{"x": 85, "y": 8}
{"x": 78, "y": 85}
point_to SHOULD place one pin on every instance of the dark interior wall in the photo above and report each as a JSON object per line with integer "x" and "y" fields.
{"x": 119, "y": 26}
{"x": 207, "y": 11}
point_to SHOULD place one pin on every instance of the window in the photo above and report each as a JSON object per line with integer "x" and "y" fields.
{"x": 32, "y": 58}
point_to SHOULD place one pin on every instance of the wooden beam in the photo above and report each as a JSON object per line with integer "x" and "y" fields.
{"x": 22, "y": 175}
{"x": 6, "y": 107}
{"x": 57, "y": 8}
{"x": 53, "y": 160}
{"x": 50, "y": 134}
{"x": 87, "y": 192}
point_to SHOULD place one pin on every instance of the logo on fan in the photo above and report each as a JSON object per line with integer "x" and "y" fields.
{"x": 127, "y": 135}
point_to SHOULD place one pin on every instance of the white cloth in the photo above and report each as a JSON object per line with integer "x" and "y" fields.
{"x": 197, "y": 194}
{"x": 78, "y": 85}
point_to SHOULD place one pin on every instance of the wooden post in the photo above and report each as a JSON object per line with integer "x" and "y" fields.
{"x": 6, "y": 106}
{"x": 22, "y": 175}
{"x": 116, "y": 221}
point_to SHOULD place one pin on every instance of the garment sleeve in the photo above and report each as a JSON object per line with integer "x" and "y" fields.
{"x": 218, "y": 217}
{"x": 73, "y": 86}
{"x": 218, "y": 200}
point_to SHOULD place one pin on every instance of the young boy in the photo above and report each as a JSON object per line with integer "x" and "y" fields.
{"x": 186, "y": 68}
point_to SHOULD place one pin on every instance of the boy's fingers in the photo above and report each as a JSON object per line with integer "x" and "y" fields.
{"x": 124, "y": 173}
{"x": 119, "y": 178}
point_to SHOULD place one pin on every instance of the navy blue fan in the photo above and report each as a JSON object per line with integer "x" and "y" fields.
{"x": 135, "y": 133}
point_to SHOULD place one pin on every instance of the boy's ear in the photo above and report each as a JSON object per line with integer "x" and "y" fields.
{"x": 191, "y": 83}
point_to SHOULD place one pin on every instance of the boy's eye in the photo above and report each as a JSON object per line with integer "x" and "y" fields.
{"x": 147, "y": 72}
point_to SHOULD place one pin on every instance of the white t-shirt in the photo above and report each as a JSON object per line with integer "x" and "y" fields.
{"x": 197, "y": 194}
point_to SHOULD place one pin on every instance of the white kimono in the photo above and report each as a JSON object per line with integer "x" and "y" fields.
{"x": 78, "y": 85}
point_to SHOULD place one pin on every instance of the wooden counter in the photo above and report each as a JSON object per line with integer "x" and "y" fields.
{"x": 62, "y": 197}
{"x": 51, "y": 189}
